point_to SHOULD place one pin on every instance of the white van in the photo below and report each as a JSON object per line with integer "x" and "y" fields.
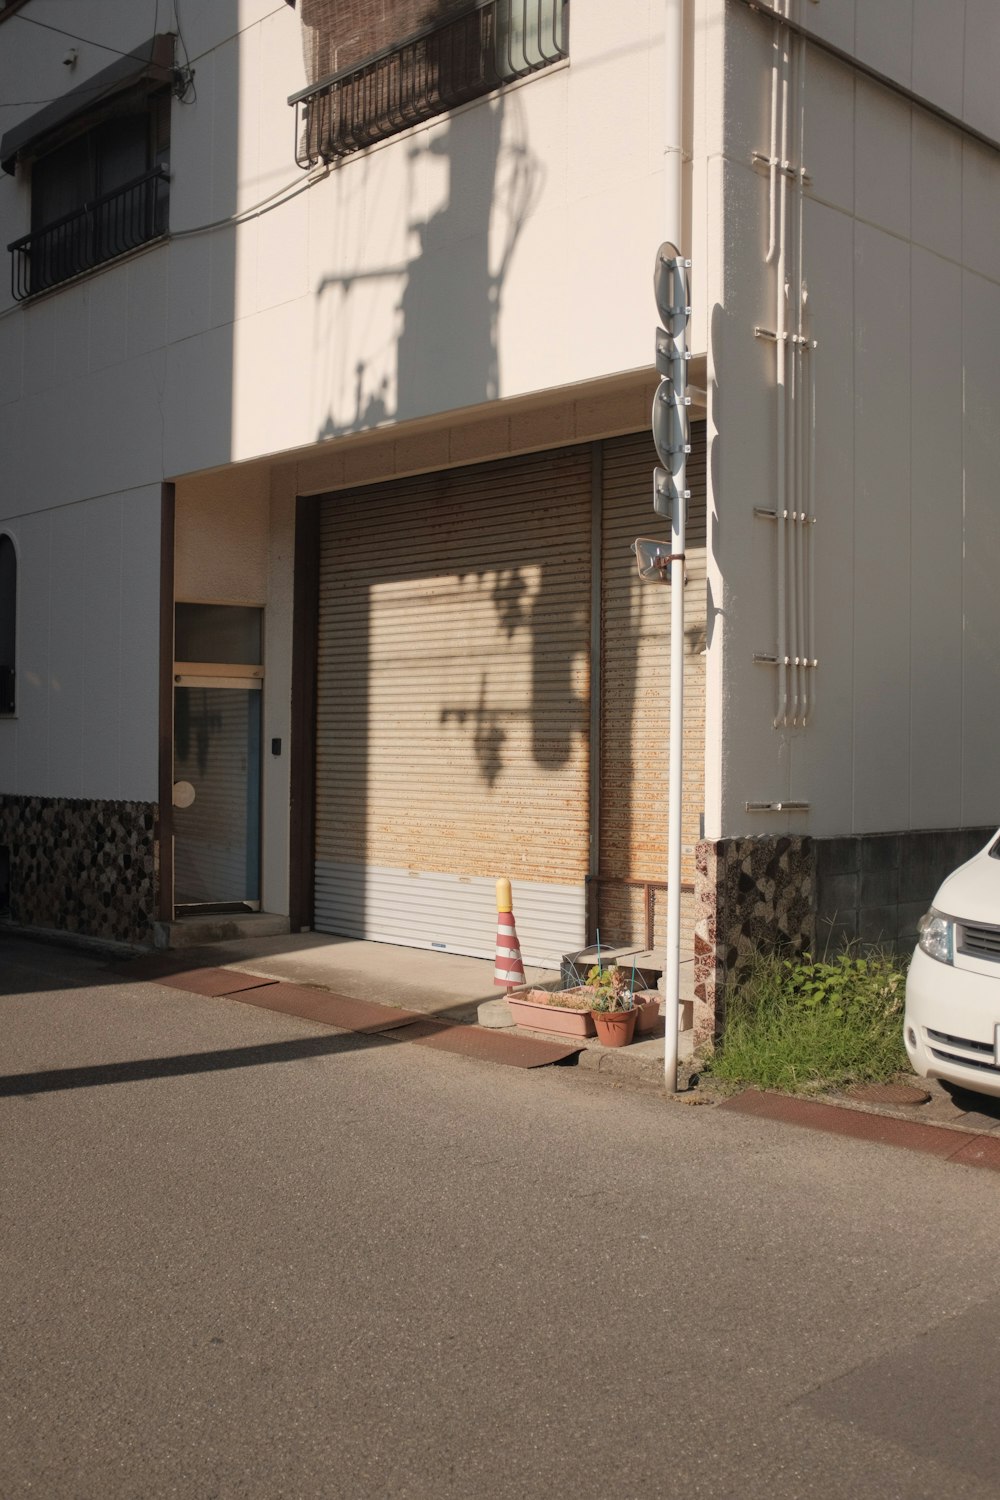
{"x": 952, "y": 1025}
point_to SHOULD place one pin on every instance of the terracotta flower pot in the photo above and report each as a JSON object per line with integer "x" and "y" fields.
{"x": 614, "y": 1027}
{"x": 648, "y": 1016}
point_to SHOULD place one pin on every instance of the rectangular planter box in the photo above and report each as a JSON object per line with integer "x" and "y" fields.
{"x": 541, "y": 1017}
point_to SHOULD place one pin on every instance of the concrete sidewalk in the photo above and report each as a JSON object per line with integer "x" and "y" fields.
{"x": 445, "y": 985}
{"x": 451, "y": 987}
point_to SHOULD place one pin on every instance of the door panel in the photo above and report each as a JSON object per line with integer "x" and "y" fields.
{"x": 217, "y": 742}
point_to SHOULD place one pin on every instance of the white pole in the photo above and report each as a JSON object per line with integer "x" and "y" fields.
{"x": 673, "y": 71}
{"x": 672, "y": 971}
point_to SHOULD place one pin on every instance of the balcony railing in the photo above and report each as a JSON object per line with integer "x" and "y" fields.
{"x": 99, "y": 231}
{"x": 439, "y": 68}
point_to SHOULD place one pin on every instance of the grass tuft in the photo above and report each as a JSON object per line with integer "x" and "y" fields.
{"x": 801, "y": 1024}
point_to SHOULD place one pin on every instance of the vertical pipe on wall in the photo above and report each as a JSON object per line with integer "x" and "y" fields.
{"x": 781, "y": 331}
{"x": 800, "y": 389}
{"x": 772, "y": 230}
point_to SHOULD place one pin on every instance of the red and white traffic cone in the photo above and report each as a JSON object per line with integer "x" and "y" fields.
{"x": 509, "y": 970}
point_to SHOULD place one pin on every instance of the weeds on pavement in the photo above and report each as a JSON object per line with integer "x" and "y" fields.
{"x": 802, "y": 1024}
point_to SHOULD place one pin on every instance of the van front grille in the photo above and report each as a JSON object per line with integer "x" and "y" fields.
{"x": 980, "y": 940}
{"x": 946, "y": 1051}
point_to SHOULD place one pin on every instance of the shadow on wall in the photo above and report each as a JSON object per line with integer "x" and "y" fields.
{"x": 451, "y": 285}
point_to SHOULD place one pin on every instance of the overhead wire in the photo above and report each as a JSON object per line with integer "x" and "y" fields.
{"x": 273, "y": 201}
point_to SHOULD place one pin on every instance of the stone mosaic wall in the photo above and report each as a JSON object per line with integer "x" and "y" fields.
{"x": 811, "y": 894}
{"x": 750, "y": 893}
{"x": 79, "y": 866}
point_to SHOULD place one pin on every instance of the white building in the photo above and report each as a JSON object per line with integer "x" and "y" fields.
{"x": 325, "y": 432}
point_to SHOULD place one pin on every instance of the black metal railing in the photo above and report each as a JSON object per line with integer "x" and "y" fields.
{"x": 99, "y": 231}
{"x": 439, "y": 68}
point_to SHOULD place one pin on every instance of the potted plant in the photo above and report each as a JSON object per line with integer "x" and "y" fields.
{"x": 612, "y": 1007}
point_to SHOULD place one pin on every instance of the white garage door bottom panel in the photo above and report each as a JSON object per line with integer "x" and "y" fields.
{"x": 449, "y": 913}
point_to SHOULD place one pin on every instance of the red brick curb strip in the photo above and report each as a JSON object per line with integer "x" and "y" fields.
{"x": 368, "y": 1017}
{"x": 884, "y": 1130}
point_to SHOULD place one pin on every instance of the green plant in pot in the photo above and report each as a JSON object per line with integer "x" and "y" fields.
{"x": 613, "y": 1008}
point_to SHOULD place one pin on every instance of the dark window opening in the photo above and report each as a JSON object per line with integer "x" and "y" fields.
{"x": 373, "y": 74}
{"x": 8, "y": 623}
{"x": 227, "y": 633}
{"x": 98, "y": 194}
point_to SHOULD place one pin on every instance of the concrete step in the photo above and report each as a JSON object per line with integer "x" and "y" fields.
{"x": 648, "y": 964}
{"x": 219, "y": 927}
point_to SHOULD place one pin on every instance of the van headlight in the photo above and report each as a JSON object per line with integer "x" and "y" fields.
{"x": 936, "y": 936}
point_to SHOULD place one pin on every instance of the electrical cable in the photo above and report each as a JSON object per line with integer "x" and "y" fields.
{"x": 31, "y": 21}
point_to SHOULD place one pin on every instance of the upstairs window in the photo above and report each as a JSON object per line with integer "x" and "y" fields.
{"x": 375, "y": 70}
{"x": 97, "y": 163}
{"x": 8, "y": 623}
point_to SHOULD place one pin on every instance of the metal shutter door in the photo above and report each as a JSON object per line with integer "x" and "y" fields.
{"x": 635, "y": 688}
{"x": 453, "y": 706}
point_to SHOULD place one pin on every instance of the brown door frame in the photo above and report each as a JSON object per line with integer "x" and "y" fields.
{"x": 165, "y": 813}
{"x": 302, "y": 766}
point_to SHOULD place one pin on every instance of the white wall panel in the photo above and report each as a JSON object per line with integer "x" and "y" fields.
{"x": 39, "y": 346}
{"x": 192, "y": 188}
{"x": 936, "y": 186}
{"x": 68, "y": 624}
{"x": 72, "y": 335}
{"x": 138, "y": 681}
{"x": 749, "y": 54}
{"x": 937, "y": 544}
{"x": 189, "y": 287}
{"x": 829, "y": 131}
{"x": 197, "y": 402}
{"x": 881, "y": 531}
{"x": 147, "y": 303}
{"x": 980, "y": 785}
{"x": 233, "y": 273}
{"x": 282, "y": 255}
{"x": 939, "y": 52}
{"x": 981, "y": 105}
{"x": 822, "y": 756}
{"x": 11, "y": 359}
{"x": 907, "y": 391}
{"x": 234, "y": 145}
{"x": 884, "y": 37}
{"x": 101, "y": 621}
{"x": 981, "y": 209}
{"x": 87, "y": 651}
{"x": 834, "y": 21}
{"x": 32, "y": 536}
{"x": 108, "y": 304}
{"x": 741, "y": 466}
{"x": 882, "y": 175}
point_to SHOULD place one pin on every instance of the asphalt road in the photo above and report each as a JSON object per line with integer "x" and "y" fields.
{"x": 246, "y": 1256}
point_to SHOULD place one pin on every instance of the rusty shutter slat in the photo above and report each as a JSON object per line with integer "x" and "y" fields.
{"x": 453, "y": 705}
{"x": 635, "y": 684}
